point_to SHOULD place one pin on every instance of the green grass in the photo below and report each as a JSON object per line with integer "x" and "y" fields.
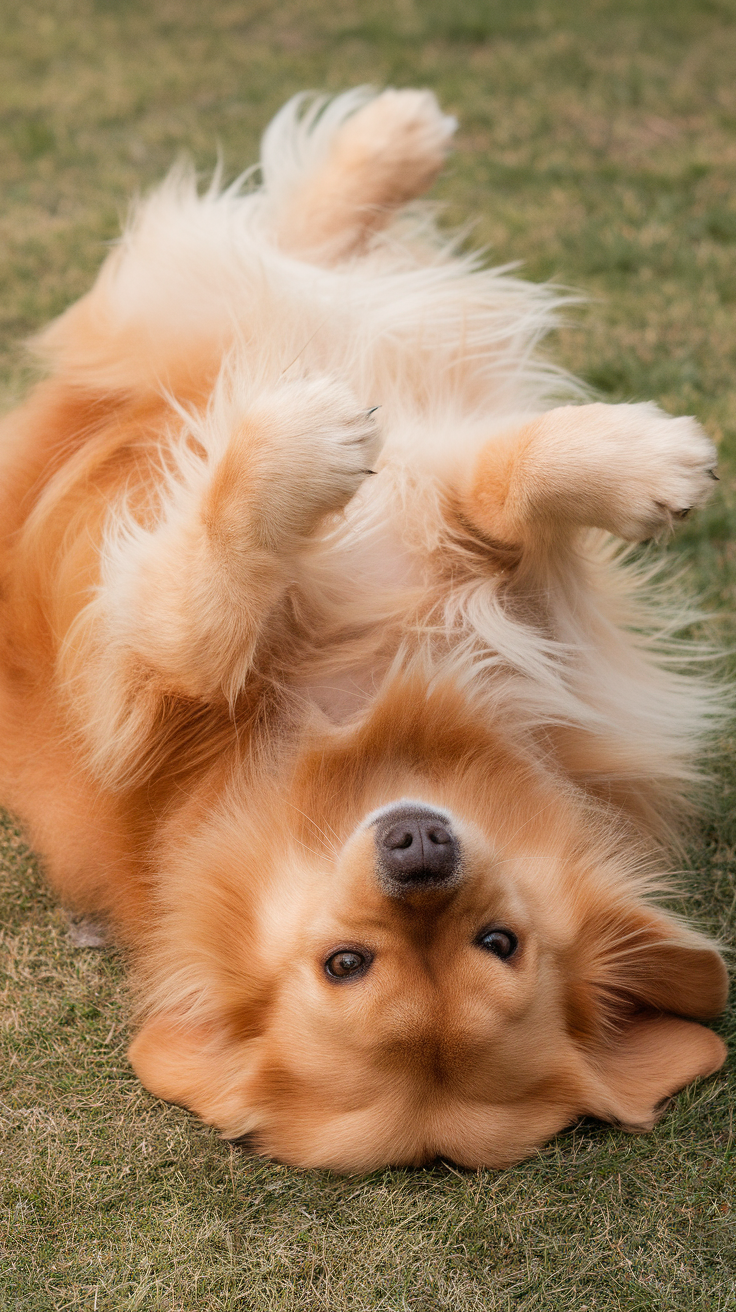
{"x": 598, "y": 146}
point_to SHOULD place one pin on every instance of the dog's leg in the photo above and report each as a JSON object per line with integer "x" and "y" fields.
{"x": 629, "y": 469}
{"x": 351, "y": 178}
{"x": 188, "y": 597}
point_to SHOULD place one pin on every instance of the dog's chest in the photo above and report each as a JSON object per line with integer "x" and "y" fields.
{"x": 360, "y": 589}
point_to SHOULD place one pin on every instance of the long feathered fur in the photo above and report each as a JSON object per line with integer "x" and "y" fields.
{"x": 449, "y": 347}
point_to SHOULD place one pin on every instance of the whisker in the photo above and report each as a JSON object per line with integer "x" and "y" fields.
{"x": 307, "y": 848}
{"x": 523, "y": 825}
{"x": 327, "y": 840}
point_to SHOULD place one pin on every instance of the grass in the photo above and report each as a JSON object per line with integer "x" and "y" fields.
{"x": 598, "y": 146}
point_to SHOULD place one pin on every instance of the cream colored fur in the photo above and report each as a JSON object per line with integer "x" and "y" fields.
{"x": 446, "y": 348}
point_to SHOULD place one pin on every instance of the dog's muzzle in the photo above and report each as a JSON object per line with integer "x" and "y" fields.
{"x": 415, "y": 849}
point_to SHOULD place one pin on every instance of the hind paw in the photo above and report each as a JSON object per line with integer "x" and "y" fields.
{"x": 402, "y": 138}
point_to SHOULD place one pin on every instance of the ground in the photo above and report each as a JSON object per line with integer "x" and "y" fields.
{"x": 597, "y": 146}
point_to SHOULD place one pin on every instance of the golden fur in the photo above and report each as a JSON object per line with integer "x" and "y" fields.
{"x": 247, "y": 619}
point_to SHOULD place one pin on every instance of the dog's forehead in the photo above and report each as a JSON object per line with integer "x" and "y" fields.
{"x": 432, "y": 1043}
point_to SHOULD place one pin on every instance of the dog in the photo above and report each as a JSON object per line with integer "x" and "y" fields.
{"x": 328, "y": 683}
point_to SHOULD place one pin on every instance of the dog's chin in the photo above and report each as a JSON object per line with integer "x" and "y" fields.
{"x": 327, "y": 1151}
{"x": 402, "y": 1133}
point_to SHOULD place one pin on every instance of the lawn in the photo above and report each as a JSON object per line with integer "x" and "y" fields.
{"x": 597, "y": 146}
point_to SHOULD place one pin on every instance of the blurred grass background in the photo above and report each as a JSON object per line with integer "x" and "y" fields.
{"x": 598, "y": 146}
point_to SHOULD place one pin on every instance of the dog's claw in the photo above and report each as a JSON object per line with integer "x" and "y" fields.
{"x": 682, "y": 514}
{"x": 712, "y": 474}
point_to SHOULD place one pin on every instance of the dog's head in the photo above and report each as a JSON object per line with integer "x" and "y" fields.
{"x": 423, "y": 946}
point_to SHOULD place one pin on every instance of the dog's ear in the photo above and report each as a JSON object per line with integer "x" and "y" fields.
{"x": 198, "y": 1066}
{"x": 643, "y": 982}
{"x": 655, "y": 1056}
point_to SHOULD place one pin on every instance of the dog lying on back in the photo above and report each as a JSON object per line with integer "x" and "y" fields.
{"x": 345, "y": 718}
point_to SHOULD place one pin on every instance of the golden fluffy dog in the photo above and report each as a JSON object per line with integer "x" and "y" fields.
{"x": 350, "y": 721}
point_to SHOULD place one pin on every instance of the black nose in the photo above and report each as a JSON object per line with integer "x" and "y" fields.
{"x": 416, "y": 848}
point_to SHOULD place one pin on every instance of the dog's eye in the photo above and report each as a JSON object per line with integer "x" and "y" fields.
{"x": 501, "y": 942}
{"x": 347, "y": 962}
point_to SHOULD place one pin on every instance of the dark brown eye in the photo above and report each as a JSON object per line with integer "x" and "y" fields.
{"x": 501, "y": 942}
{"x": 347, "y": 962}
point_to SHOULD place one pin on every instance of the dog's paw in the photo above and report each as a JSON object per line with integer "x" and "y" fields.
{"x": 302, "y": 453}
{"x": 342, "y": 441}
{"x": 403, "y": 137}
{"x": 628, "y": 468}
{"x": 667, "y": 468}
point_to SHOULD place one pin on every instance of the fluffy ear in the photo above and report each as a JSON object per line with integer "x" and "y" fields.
{"x": 651, "y": 1059}
{"x": 198, "y": 1067}
{"x": 643, "y": 975}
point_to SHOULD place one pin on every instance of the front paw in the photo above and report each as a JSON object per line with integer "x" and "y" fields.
{"x": 334, "y": 448}
{"x": 666, "y": 469}
{"x": 299, "y": 452}
{"x": 630, "y": 469}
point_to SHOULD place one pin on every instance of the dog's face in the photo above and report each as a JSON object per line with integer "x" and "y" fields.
{"x": 408, "y": 956}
